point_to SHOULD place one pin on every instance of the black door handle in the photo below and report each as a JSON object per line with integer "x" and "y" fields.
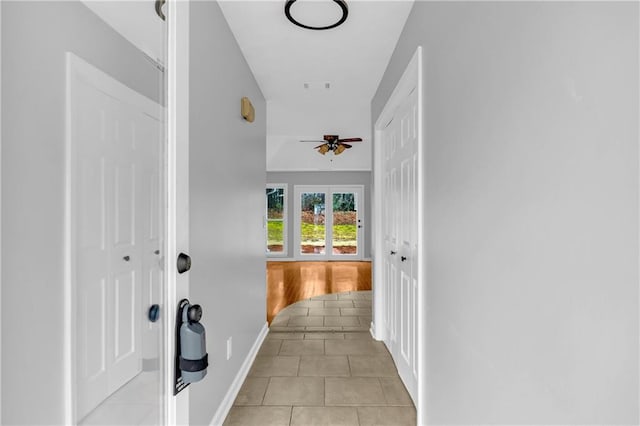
{"x": 392, "y": 253}
{"x": 126, "y": 258}
{"x": 402, "y": 258}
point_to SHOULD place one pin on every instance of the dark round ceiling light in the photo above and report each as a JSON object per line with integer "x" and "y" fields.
{"x": 341, "y": 3}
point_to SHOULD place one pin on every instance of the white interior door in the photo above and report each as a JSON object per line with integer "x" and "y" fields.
{"x": 329, "y": 222}
{"x": 114, "y": 169}
{"x": 400, "y": 224}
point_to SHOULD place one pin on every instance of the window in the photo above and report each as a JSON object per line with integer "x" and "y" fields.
{"x": 276, "y": 205}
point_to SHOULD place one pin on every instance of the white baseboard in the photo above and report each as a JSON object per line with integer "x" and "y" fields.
{"x": 227, "y": 402}
{"x": 372, "y": 331}
{"x": 376, "y": 332}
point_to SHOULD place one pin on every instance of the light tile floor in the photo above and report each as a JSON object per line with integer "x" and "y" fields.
{"x": 319, "y": 365}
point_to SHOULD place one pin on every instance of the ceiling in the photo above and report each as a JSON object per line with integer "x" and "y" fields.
{"x": 351, "y": 58}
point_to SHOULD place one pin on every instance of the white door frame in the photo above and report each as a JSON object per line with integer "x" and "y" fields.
{"x": 329, "y": 189}
{"x": 177, "y": 192}
{"x": 0, "y": 215}
{"x": 411, "y": 78}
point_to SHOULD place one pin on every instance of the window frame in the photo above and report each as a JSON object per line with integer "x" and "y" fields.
{"x": 284, "y": 220}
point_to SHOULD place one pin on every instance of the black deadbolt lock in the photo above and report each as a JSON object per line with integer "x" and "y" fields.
{"x": 184, "y": 263}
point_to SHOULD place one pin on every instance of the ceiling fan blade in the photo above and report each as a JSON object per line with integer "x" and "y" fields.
{"x": 346, "y": 145}
{"x": 316, "y": 147}
{"x": 316, "y": 141}
{"x": 350, "y": 140}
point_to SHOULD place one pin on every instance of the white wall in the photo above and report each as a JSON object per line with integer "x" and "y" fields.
{"x": 532, "y": 209}
{"x": 137, "y": 21}
{"x": 35, "y": 37}
{"x": 288, "y": 122}
{"x": 227, "y": 184}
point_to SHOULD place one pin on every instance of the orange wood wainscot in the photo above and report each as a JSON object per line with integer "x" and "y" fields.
{"x": 289, "y": 282}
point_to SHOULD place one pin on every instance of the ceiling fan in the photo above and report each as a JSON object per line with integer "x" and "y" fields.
{"x": 334, "y": 144}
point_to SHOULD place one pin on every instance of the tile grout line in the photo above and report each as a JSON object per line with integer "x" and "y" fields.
{"x": 263, "y": 393}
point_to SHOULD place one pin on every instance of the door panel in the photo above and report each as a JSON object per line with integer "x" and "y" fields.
{"x": 94, "y": 351}
{"x": 126, "y": 302}
{"x": 126, "y": 330}
{"x": 124, "y": 199}
{"x": 92, "y": 210}
{"x": 405, "y": 315}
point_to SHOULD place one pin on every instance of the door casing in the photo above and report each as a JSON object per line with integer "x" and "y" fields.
{"x": 411, "y": 79}
{"x": 177, "y": 193}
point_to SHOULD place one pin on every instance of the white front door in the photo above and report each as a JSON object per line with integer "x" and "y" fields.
{"x": 329, "y": 222}
{"x": 400, "y": 225}
{"x": 115, "y": 217}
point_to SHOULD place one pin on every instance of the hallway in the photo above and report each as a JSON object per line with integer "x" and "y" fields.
{"x": 493, "y": 185}
{"x": 320, "y": 366}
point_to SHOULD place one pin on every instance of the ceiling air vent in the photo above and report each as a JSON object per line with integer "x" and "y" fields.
{"x": 317, "y": 85}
